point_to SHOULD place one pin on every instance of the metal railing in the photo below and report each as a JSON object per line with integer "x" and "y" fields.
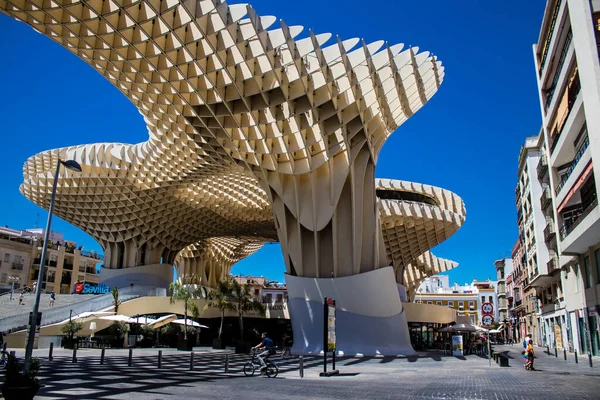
{"x": 559, "y": 68}
{"x": 568, "y": 228}
{"x": 546, "y": 198}
{"x": 549, "y": 232}
{"x": 572, "y": 92}
{"x": 542, "y": 167}
{"x": 549, "y": 37}
{"x": 576, "y": 160}
{"x": 553, "y": 265}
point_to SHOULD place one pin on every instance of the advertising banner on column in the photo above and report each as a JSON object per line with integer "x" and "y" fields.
{"x": 457, "y": 346}
{"x": 330, "y": 324}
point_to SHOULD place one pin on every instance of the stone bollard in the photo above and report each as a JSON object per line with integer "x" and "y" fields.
{"x": 74, "y": 353}
{"x": 301, "y": 367}
{"x": 50, "y": 351}
{"x": 192, "y": 361}
{"x": 576, "y": 359}
{"x": 12, "y": 354}
{"x": 226, "y": 363}
{"x": 130, "y": 359}
{"x": 4, "y": 346}
{"x": 102, "y": 352}
{"x": 565, "y": 351}
{"x": 159, "y": 359}
{"x": 590, "y": 358}
{"x": 556, "y": 352}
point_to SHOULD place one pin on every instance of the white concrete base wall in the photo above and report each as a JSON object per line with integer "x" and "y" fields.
{"x": 154, "y": 275}
{"x": 370, "y": 319}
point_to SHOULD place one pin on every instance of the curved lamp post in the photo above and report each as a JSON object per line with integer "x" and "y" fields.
{"x": 73, "y": 166}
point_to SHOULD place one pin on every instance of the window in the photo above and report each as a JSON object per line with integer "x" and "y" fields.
{"x": 588, "y": 272}
{"x": 577, "y": 277}
{"x": 7, "y": 257}
{"x": 18, "y": 259}
{"x": 438, "y": 303}
{"x": 482, "y": 299}
{"x": 491, "y": 300}
{"x": 471, "y": 305}
{"x": 461, "y": 304}
{"x": 280, "y": 298}
{"x": 451, "y": 304}
{"x": 4, "y": 276}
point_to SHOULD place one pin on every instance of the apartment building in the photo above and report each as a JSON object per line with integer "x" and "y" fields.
{"x": 466, "y": 299}
{"x": 20, "y": 256}
{"x": 568, "y": 75}
{"x": 504, "y": 268}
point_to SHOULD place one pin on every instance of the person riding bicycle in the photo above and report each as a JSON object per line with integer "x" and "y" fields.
{"x": 267, "y": 345}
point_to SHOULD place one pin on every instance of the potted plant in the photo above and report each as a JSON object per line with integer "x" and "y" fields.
{"x": 219, "y": 298}
{"x": 187, "y": 294}
{"x": 241, "y": 295}
{"x": 117, "y": 331}
{"x": 18, "y": 383}
{"x": 70, "y": 329}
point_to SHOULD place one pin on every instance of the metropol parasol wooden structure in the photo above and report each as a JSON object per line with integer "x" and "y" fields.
{"x": 256, "y": 135}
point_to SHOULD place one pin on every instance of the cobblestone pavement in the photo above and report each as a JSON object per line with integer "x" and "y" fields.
{"x": 426, "y": 376}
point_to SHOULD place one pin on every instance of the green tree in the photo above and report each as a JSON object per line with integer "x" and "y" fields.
{"x": 241, "y": 295}
{"x": 219, "y": 298}
{"x": 116, "y": 301}
{"x": 187, "y": 294}
{"x": 71, "y": 328}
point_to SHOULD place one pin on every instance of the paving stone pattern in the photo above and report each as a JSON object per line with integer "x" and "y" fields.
{"x": 429, "y": 375}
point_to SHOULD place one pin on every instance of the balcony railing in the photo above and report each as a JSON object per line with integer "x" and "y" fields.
{"x": 553, "y": 265}
{"x": 573, "y": 92}
{"x": 549, "y": 232}
{"x": 546, "y": 198}
{"x": 18, "y": 266}
{"x": 559, "y": 68}
{"x": 542, "y": 167}
{"x": 576, "y": 160}
{"x": 549, "y": 37}
{"x": 568, "y": 228}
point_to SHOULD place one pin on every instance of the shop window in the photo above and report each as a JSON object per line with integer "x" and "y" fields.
{"x": 438, "y": 303}
{"x": 451, "y": 304}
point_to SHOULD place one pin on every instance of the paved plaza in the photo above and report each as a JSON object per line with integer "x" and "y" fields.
{"x": 430, "y": 375}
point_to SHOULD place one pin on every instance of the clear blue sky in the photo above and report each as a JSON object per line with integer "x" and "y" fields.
{"x": 466, "y": 139}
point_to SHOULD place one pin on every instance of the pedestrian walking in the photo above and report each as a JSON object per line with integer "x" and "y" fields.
{"x": 21, "y": 298}
{"x": 52, "y": 298}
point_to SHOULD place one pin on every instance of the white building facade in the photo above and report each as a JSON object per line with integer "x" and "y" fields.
{"x": 568, "y": 76}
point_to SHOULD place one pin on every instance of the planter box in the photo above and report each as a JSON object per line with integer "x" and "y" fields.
{"x": 185, "y": 345}
{"x": 20, "y": 393}
{"x": 242, "y": 347}
{"x": 218, "y": 344}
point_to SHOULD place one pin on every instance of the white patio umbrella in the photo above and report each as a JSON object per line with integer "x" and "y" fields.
{"x": 162, "y": 321}
{"x": 86, "y": 317}
{"x": 195, "y": 324}
{"x": 118, "y": 317}
{"x": 481, "y": 329}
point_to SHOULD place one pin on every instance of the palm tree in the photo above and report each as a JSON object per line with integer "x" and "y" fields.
{"x": 187, "y": 294}
{"x": 219, "y": 298}
{"x": 242, "y": 296}
{"x": 116, "y": 301}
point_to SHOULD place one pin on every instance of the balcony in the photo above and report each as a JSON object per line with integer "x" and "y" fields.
{"x": 572, "y": 92}
{"x": 549, "y": 232}
{"x": 553, "y": 266}
{"x": 559, "y": 67}
{"x": 576, "y": 219}
{"x": 546, "y": 198}
{"x": 17, "y": 266}
{"x": 542, "y": 168}
{"x": 546, "y": 46}
{"x": 574, "y": 163}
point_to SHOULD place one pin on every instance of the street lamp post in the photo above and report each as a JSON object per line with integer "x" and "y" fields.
{"x": 73, "y": 166}
{"x": 12, "y": 280}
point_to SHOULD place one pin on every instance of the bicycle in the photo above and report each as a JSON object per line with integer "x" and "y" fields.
{"x": 3, "y": 357}
{"x": 270, "y": 368}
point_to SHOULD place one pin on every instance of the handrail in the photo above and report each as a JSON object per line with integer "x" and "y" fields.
{"x": 576, "y": 160}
